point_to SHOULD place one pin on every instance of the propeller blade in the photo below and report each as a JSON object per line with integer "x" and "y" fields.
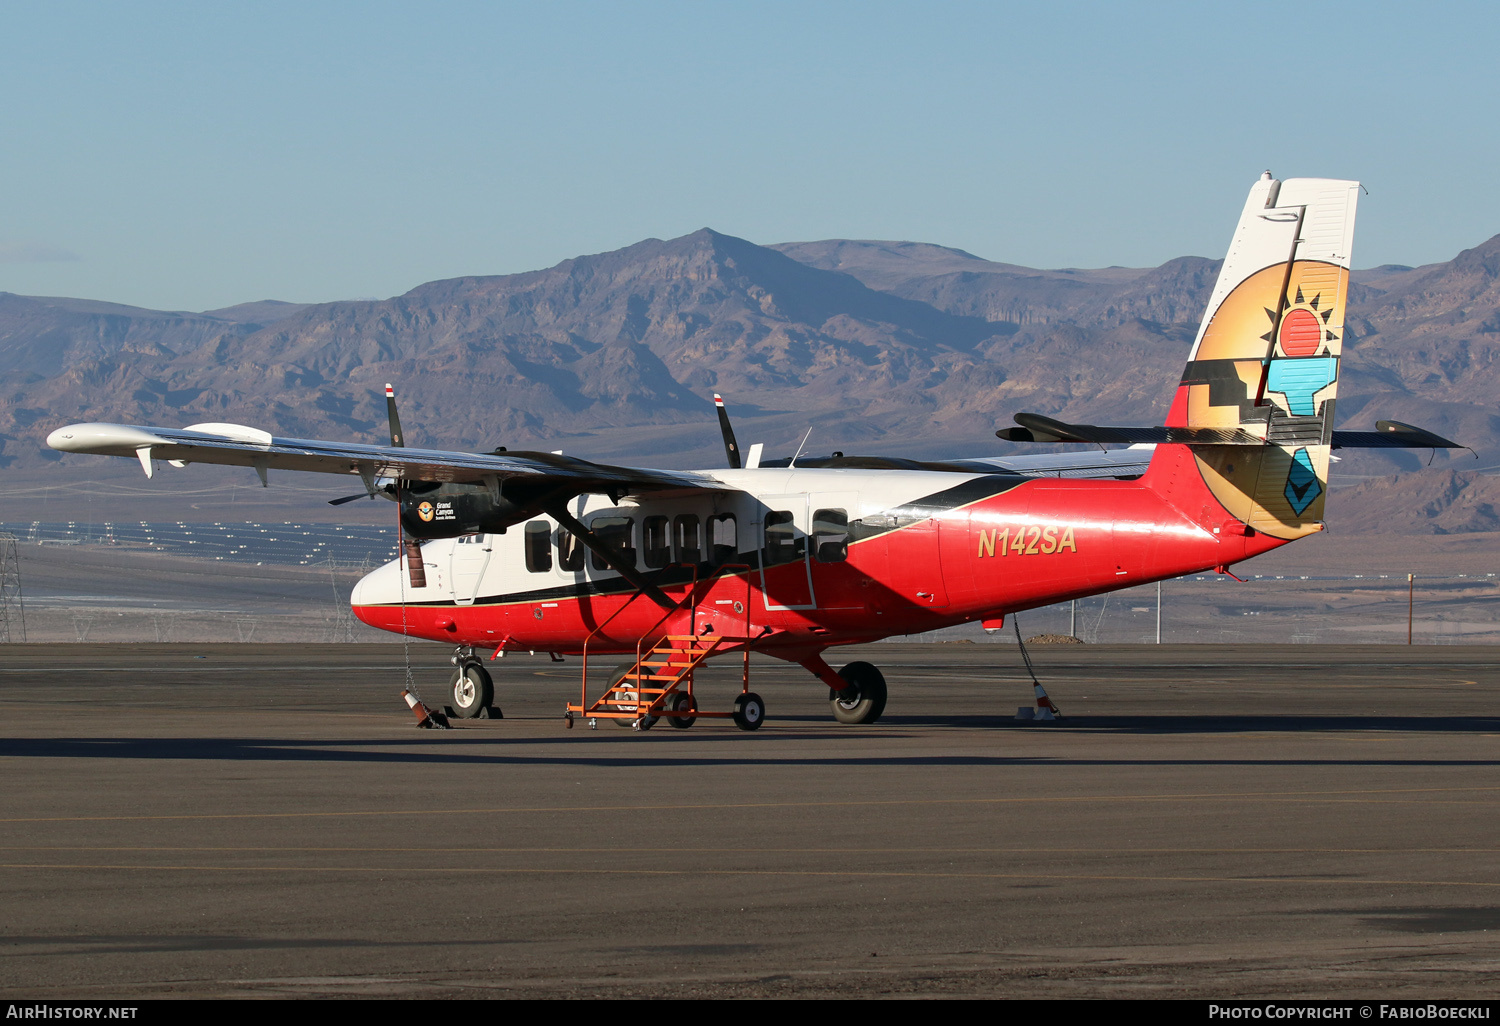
{"x": 731, "y": 447}
{"x": 390, "y": 408}
{"x": 351, "y": 498}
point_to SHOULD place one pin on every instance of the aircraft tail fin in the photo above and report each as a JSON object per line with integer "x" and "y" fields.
{"x": 1264, "y": 367}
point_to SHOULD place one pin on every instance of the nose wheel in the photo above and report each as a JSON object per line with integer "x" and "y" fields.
{"x": 472, "y": 691}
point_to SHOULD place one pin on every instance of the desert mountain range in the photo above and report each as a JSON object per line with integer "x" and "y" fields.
{"x": 893, "y": 347}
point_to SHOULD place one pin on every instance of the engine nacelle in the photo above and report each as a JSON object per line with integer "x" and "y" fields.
{"x": 433, "y": 509}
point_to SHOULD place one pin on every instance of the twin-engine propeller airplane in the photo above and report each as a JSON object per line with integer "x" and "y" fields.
{"x": 793, "y": 559}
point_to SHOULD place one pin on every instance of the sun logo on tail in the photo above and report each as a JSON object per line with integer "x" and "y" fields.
{"x": 1304, "y": 328}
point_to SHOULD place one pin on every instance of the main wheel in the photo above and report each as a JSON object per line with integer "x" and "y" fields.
{"x": 863, "y": 699}
{"x": 614, "y": 678}
{"x": 749, "y": 711}
{"x": 625, "y": 701}
{"x": 473, "y": 690}
{"x": 680, "y": 703}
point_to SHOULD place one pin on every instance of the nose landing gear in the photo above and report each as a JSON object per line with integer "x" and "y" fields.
{"x": 472, "y": 689}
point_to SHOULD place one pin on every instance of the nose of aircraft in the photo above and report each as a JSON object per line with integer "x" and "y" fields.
{"x": 379, "y": 587}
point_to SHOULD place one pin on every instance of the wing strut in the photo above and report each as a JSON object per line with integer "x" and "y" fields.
{"x": 593, "y": 544}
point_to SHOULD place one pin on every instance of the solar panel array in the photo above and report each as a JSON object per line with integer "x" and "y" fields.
{"x": 284, "y": 543}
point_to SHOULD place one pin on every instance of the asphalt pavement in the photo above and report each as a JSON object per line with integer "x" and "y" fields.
{"x": 1205, "y": 821}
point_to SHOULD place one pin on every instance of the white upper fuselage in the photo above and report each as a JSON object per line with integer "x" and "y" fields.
{"x": 493, "y": 567}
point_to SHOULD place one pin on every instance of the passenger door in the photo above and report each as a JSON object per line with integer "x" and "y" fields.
{"x": 785, "y": 577}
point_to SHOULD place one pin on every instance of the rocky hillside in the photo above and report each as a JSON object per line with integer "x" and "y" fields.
{"x": 636, "y": 337}
{"x": 1425, "y": 502}
{"x": 896, "y": 347}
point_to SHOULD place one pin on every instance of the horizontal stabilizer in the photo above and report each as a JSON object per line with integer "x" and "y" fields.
{"x": 1392, "y": 434}
{"x": 1389, "y": 434}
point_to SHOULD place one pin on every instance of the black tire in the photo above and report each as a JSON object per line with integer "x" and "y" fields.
{"x": 625, "y": 705}
{"x": 749, "y": 711}
{"x": 863, "y": 700}
{"x": 614, "y": 678}
{"x": 472, "y": 690}
{"x": 682, "y": 702}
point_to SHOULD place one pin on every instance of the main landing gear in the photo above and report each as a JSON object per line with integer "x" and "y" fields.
{"x": 862, "y": 698}
{"x": 472, "y": 689}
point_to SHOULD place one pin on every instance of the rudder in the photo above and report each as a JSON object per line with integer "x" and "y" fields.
{"x": 1256, "y": 401}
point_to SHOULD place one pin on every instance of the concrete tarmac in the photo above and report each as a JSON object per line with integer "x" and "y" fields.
{"x": 1206, "y": 821}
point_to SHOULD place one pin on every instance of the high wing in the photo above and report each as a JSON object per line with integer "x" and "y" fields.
{"x": 240, "y": 446}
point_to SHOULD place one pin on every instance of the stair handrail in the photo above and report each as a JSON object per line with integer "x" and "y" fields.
{"x": 692, "y": 587}
{"x": 691, "y": 596}
{"x": 718, "y": 573}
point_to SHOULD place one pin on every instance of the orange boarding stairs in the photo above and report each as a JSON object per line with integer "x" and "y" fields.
{"x": 660, "y": 680}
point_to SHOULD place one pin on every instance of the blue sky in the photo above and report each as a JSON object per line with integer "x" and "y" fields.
{"x": 190, "y": 156}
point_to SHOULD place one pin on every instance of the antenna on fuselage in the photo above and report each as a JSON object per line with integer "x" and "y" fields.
{"x": 799, "y": 448}
{"x": 731, "y": 447}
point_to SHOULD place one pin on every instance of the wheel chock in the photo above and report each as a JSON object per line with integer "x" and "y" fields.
{"x": 427, "y": 719}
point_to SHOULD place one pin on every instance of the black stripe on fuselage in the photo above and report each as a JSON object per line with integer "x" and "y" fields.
{"x": 959, "y": 495}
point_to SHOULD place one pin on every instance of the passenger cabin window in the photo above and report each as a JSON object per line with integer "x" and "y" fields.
{"x": 723, "y": 539}
{"x": 538, "y": 547}
{"x": 830, "y": 532}
{"x": 687, "y": 537}
{"x": 615, "y": 532}
{"x": 657, "y": 541}
{"x": 569, "y": 552}
{"x": 783, "y": 543}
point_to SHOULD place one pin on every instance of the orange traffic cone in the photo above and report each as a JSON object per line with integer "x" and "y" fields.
{"x": 429, "y": 719}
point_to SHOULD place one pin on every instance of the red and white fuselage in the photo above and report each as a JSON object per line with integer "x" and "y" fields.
{"x": 809, "y": 559}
